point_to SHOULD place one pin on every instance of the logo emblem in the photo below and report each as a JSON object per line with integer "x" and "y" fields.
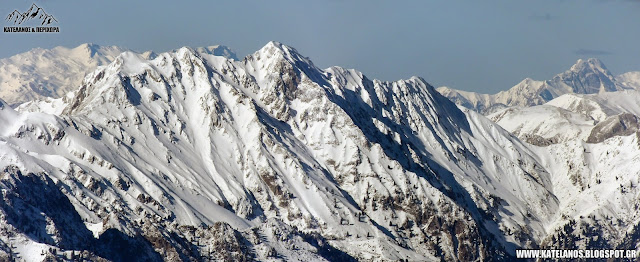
{"x": 33, "y": 13}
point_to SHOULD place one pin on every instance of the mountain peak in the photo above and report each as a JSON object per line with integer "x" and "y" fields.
{"x": 273, "y": 47}
{"x": 89, "y": 48}
{"x": 275, "y": 44}
{"x": 591, "y": 64}
{"x": 586, "y": 76}
{"x": 276, "y": 49}
{"x": 275, "y": 54}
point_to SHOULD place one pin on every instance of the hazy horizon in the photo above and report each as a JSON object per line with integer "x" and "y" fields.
{"x": 464, "y": 45}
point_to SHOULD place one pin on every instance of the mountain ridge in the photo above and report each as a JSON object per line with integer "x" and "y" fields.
{"x": 51, "y": 73}
{"x": 586, "y": 76}
{"x": 189, "y": 154}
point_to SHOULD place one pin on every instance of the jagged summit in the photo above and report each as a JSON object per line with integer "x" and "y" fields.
{"x": 587, "y": 77}
{"x": 592, "y": 63}
{"x": 275, "y": 52}
{"x": 271, "y": 46}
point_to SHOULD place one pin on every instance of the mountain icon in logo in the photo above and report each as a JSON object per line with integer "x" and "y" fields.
{"x": 34, "y": 12}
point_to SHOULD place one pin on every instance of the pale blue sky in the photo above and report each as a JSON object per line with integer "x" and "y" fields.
{"x": 483, "y": 46}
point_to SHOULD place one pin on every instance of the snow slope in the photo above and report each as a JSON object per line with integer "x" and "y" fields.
{"x": 630, "y": 79}
{"x": 597, "y": 185}
{"x": 589, "y": 145}
{"x": 600, "y": 106}
{"x": 544, "y": 124}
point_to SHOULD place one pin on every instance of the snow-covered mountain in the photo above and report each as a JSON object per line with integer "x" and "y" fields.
{"x": 191, "y": 155}
{"x": 591, "y": 118}
{"x": 588, "y": 76}
{"x": 42, "y": 73}
{"x": 600, "y": 106}
{"x": 544, "y": 124}
{"x": 193, "y": 139}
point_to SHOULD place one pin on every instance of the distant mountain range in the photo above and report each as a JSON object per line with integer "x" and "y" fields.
{"x": 588, "y": 76}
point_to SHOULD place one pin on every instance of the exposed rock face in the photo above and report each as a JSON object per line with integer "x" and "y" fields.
{"x": 619, "y": 125}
